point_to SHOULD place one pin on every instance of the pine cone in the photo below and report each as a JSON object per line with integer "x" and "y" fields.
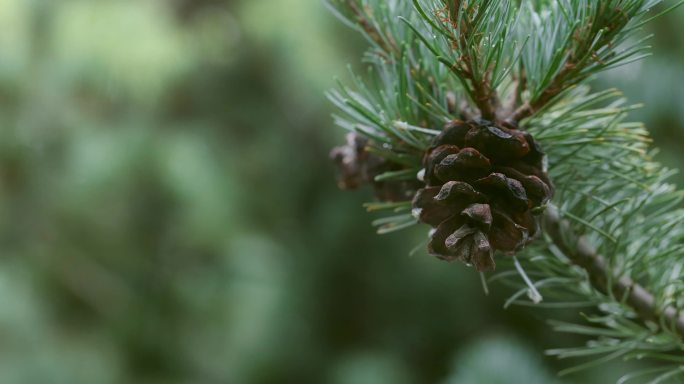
{"x": 357, "y": 167}
{"x": 484, "y": 184}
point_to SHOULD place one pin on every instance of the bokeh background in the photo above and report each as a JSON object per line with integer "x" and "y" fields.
{"x": 168, "y": 213}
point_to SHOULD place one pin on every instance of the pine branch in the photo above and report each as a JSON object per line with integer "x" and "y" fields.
{"x": 475, "y": 42}
{"x": 581, "y": 253}
{"x": 527, "y": 109}
{"x": 371, "y": 30}
{"x": 576, "y": 40}
{"x": 614, "y": 243}
{"x": 460, "y": 17}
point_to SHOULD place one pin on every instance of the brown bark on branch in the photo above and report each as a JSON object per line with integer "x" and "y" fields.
{"x": 389, "y": 47}
{"x": 582, "y": 254}
{"x": 557, "y": 86}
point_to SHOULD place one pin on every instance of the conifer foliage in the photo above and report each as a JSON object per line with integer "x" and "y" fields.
{"x": 476, "y": 119}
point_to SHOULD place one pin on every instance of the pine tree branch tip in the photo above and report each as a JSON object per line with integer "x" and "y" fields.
{"x": 581, "y": 253}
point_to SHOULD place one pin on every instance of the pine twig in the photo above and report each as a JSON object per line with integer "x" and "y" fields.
{"x": 582, "y": 254}
{"x": 370, "y": 30}
{"x": 529, "y": 108}
{"x": 484, "y": 95}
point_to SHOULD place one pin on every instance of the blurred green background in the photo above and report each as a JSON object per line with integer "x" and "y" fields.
{"x": 168, "y": 212}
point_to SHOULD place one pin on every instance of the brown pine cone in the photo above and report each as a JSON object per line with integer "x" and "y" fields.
{"x": 357, "y": 167}
{"x": 484, "y": 184}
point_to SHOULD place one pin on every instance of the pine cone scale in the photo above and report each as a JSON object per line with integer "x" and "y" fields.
{"x": 459, "y": 191}
{"x": 501, "y": 188}
{"x": 429, "y": 210}
{"x": 467, "y": 164}
{"x": 480, "y": 214}
{"x": 506, "y": 235}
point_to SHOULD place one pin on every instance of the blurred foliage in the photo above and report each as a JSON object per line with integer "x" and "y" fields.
{"x": 168, "y": 214}
{"x": 499, "y": 361}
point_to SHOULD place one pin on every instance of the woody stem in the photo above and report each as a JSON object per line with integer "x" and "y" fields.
{"x": 582, "y": 254}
